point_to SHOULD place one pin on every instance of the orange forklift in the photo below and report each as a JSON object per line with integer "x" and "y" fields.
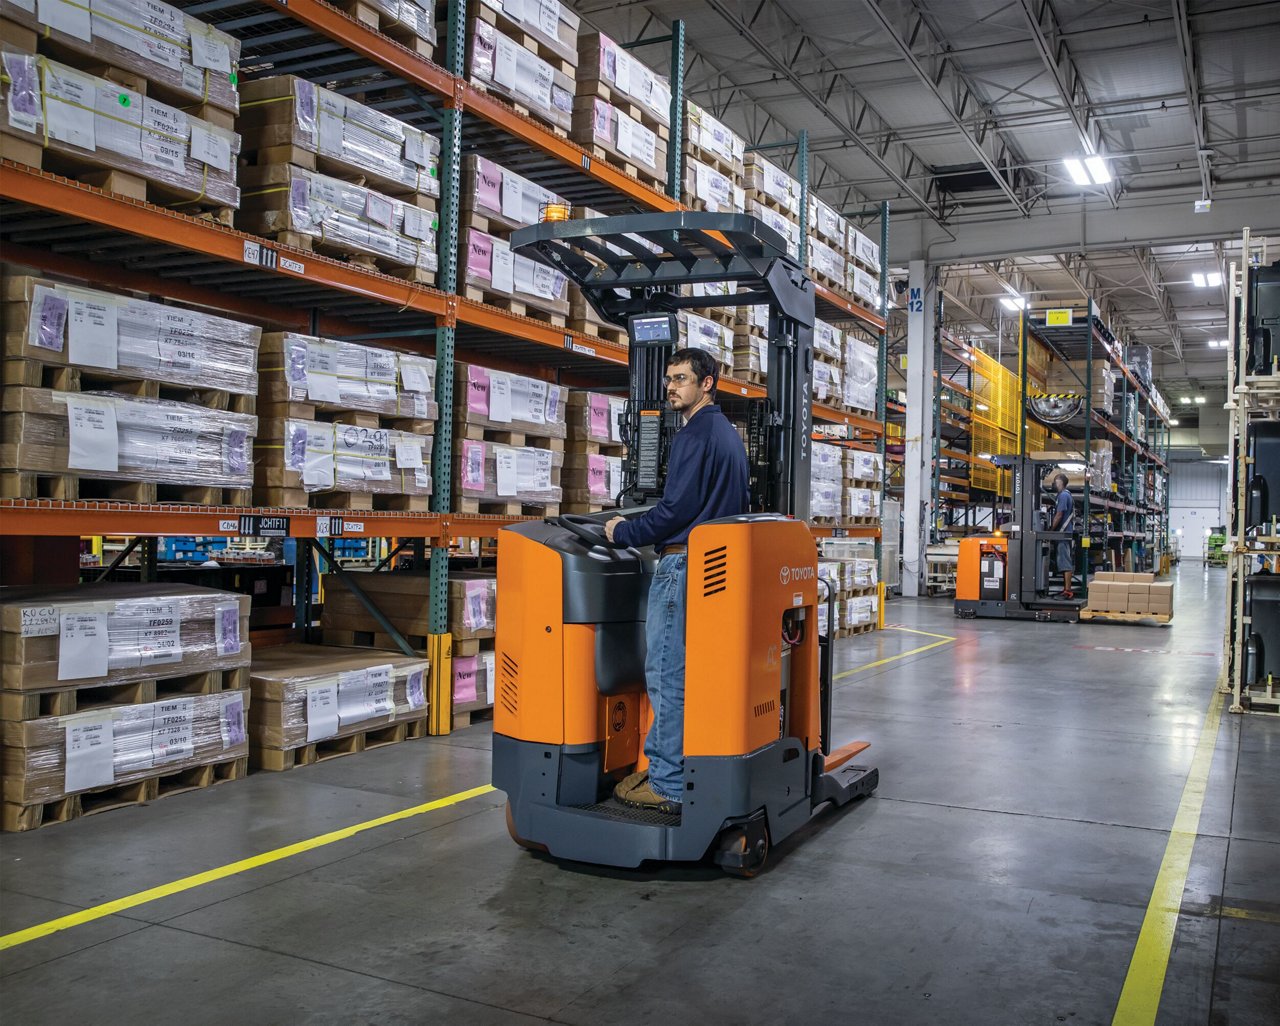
{"x": 571, "y": 710}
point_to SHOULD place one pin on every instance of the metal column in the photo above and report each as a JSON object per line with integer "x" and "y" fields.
{"x": 922, "y": 327}
{"x": 440, "y": 641}
{"x": 882, "y": 378}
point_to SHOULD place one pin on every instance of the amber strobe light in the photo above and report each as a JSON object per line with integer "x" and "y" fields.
{"x": 555, "y": 212}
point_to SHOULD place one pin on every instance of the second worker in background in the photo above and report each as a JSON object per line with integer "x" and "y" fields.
{"x": 707, "y": 478}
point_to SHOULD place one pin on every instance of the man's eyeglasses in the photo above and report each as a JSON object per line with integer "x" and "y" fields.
{"x": 679, "y": 380}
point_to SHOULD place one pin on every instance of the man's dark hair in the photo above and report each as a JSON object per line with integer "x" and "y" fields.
{"x": 702, "y": 362}
{"x": 1062, "y": 478}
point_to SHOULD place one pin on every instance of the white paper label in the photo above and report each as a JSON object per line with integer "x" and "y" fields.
{"x": 408, "y": 455}
{"x": 322, "y": 711}
{"x": 93, "y": 336}
{"x": 90, "y": 750}
{"x": 210, "y": 147}
{"x": 512, "y": 197}
{"x": 209, "y": 51}
{"x": 70, "y": 102}
{"x": 118, "y": 126}
{"x": 173, "y": 731}
{"x": 499, "y": 397}
{"x": 39, "y": 621}
{"x": 95, "y": 442}
{"x": 73, "y": 19}
{"x": 364, "y": 694}
{"x": 503, "y": 272}
{"x": 322, "y": 372}
{"x": 508, "y": 481}
{"x": 416, "y": 374}
{"x": 83, "y": 646}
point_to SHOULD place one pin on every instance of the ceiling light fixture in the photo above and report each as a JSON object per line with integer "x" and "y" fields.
{"x": 1198, "y": 280}
{"x": 1199, "y": 400}
{"x": 1098, "y": 169}
{"x": 1173, "y": 422}
{"x": 1013, "y": 302}
{"x": 1211, "y": 280}
{"x": 1077, "y": 172}
{"x": 1090, "y": 171}
{"x": 1185, "y": 400}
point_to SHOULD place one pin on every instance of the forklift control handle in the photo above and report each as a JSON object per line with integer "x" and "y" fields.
{"x": 588, "y": 529}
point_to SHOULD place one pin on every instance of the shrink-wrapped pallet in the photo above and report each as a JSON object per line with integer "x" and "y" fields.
{"x": 861, "y": 374}
{"x": 705, "y": 188}
{"x": 117, "y": 634}
{"x": 104, "y": 436}
{"x": 178, "y": 55}
{"x": 493, "y": 268}
{"x": 97, "y": 123}
{"x": 66, "y": 325}
{"x": 503, "y": 198}
{"x": 501, "y": 401}
{"x": 599, "y": 123}
{"x": 607, "y": 71}
{"x": 337, "y": 214}
{"x": 709, "y": 139}
{"x": 492, "y": 472}
{"x": 289, "y": 120}
{"x": 775, "y": 188}
{"x": 324, "y": 457}
{"x": 503, "y": 66}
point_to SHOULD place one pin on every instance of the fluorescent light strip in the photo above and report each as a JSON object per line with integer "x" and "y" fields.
{"x": 1077, "y": 172}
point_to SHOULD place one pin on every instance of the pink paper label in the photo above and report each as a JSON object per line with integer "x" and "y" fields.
{"x": 477, "y": 390}
{"x": 473, "y": 466}
{"x": 598, "y": 425}
{"x": 488, "y": 185}
{"x": 479, "y": 256}
{"x": 464, "y": 679}
{"x": 598, "y": 477}
{"x": 603, "y": 116}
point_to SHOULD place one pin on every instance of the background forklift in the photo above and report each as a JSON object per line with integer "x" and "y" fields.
{"x": 571, "y": 710}
{"x": 1007, "y": 575}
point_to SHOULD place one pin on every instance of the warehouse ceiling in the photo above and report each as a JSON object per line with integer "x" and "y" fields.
{"x": 960, "y": 113}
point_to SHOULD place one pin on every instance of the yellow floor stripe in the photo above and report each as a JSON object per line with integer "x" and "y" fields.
{"x": 946, "y": 640}
{"x": 88, "y": 915}
{"x": 1140, "y": 997}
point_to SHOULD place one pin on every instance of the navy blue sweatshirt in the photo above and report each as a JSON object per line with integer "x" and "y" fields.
{"x": 706, "y": 479}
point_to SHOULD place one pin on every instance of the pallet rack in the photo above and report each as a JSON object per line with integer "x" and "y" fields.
{"x": 1251, "y": 399}
{"x": 75, "y": 230}
{"x": 1130, "y": 531}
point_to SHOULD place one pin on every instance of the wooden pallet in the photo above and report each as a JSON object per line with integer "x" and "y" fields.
{"x": 277, "y": 760}
{"x": 470, "y": 715}
{"x": 548, "y": 311}
{"x": 504, "y": 508}
{"x": 98, "y": 171}
{"x": 712, "y": 160}
{"x": 1136, "y": 618}
{"x": 36, "y": 704}
{"x": 372, "y": 639}
{"x": 776, "y": 205}
{"x": 139, "y": 792}
{"x": 596, "y": 329}
{"x": 389, "y": 26}
{"x": 532, "y": 436}
{"x": 354, "y": 256}
{"x": 543, "y": 120}
{"x": 653, "y": 179}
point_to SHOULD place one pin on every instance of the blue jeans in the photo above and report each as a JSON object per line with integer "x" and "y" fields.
{"x": 664, "y": 676}
{"x": 1064, "y": 556}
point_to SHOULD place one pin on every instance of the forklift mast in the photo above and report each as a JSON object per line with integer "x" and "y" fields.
{"x": 633, "y": 270}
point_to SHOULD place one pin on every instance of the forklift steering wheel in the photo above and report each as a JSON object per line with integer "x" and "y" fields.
{"x": 587, "y": 529}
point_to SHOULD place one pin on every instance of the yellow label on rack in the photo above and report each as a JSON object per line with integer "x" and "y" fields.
{"x": 1054, "y": 317}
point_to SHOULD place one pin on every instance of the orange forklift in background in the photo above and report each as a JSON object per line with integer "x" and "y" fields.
{"x": 571, "y": 710}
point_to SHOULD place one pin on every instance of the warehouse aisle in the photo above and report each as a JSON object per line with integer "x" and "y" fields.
{"x": 1030, "y": 774}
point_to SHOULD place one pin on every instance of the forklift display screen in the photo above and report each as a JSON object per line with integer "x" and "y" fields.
{"x": 658, "y": 328}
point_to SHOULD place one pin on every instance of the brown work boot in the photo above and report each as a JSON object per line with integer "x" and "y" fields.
{"x": 645, "y": 797}
{"x": 629, "y": 783}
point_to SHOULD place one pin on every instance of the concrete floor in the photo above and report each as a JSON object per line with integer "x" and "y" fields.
{"x": 1030, "y": 774}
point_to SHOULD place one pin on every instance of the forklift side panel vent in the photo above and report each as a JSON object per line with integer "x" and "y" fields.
{"x": 509, "y": 684}
{"x": 715, "y": 571}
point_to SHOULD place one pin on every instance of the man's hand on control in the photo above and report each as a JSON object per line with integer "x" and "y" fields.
{"x": 608, "y": 528}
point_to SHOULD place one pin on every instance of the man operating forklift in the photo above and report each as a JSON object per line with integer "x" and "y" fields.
{"x": 1064, "y": 512}
{"x": 707, "y": 478}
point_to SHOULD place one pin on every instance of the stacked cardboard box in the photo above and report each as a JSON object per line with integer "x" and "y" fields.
{"x": 709, "y": 335}
{"x": 412, "y": 23}
{"x": 525, "y": 53}
{"x": 118, "y": 690}
{"x": 289, "y": 120}
{"x": 592, "y": 476}
{"x": 826, "y": 482}
{"x": 311, "y": 702}
{"x": 710, "y": 142}
{"x": 342, "y": 424}
{"x": 828, "y": 353}
{"x": 861, "y": 375}
{"x": 622, "y": 108}
{"x": 1130, "y": 593}
{"x": 864, "y": 267}
{"x": 113, "y": 135}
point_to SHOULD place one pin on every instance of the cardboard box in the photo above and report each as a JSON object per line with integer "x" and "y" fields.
{"x": 1100, "y": 595}
{"x": 1162, "y": 599}
{"x": 1139, "y": 598}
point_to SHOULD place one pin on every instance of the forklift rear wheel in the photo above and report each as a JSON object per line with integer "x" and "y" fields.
{"x": 747, "y": 858}
{"x": 511, "y": 829}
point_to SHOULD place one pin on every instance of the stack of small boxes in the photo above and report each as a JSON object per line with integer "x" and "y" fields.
{"x": 828, "y": 358}
{"x": 509, "y": 433}
{"x": 864, "y": 268}
{"x": 527, "y": 53}
{"x": 622, "y": 110}
{"x": 1134, "y": 595}
{"x": 774, "y": 197}
{"x": 714, "y": 166}
{"x": 828, "y": 245}
{"x": 162, "y": 130}
{"x": 592, "y": 475}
